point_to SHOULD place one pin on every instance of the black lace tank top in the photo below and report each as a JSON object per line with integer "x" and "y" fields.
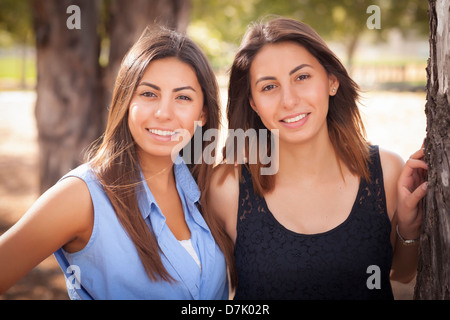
{"x": 350, "y": 261}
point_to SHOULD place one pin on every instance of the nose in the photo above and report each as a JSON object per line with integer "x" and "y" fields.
{"x": 164, "y": 110}
{"x": 291, "y": 97}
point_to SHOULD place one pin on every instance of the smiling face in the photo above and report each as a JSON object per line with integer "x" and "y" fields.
{"x": 290, "y": 91}
{"x": 168, "y": 100}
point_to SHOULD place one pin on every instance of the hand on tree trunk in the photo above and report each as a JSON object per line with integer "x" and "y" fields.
{"x": 412, "y": 187}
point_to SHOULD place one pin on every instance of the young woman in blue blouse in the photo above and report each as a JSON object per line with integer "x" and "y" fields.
{"x": 127, "y": 224}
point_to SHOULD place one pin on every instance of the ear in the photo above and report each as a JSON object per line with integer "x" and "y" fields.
{"x": 252, "y": 104}
{"x": 333, "y": 84}
{"x": 203, "y": 116}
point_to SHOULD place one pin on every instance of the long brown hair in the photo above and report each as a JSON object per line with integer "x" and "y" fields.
{"x": 115, "y": 161}
{"x": 345, "y": 127}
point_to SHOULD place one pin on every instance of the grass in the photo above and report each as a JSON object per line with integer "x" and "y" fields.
{"x": 11, "y": 71}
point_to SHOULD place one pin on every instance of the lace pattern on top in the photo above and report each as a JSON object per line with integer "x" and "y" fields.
{"x": 276, "y": 263}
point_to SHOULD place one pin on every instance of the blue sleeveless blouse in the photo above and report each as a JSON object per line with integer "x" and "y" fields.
{"x": 109, "y": 267}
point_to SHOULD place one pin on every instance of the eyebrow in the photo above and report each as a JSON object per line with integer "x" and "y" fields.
{"x": 159, "y": 89}
{"x": 299, "y": 67}
{"x": 290, "y": 73}
{"x": 264, "y": 78}
{"x": 183, "y": 88}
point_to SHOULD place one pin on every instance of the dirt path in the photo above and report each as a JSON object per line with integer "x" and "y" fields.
{"x": 19, "y": 189}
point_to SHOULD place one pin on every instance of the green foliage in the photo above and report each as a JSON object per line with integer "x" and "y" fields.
{"x": 339, "y": 20}
{"x": 15, "y": 22}
{"x": 218, "y": 25}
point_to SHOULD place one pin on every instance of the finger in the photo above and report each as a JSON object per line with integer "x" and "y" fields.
{"x": 413, "y": 199}
{"x": 411, "y": 166}
{"x": 419, "y": 154}
{"x": 416, "y": 164}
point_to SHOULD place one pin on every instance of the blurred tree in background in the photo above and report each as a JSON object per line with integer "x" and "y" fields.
{"x": 220, "y": 24}
{"x": 74, "y": 85}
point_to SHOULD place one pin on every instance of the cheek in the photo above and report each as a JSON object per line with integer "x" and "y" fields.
{"x": 325, "y": 101}
{"x": 266, "y": 110}
{"x": 268, "y": 116}
{"x": 138, "y": 112}
{"x": 265, "y": 105}
{"x": 187, "y": 117}
{"x": 318, "y": 96}
{"x": 132, "y": 115}
{"x": 136, "y": 116}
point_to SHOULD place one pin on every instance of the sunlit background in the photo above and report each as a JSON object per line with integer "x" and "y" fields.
{"x": 388, "y": 63}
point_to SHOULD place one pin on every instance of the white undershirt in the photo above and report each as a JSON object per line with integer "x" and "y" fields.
{"x": 187, "y": 244}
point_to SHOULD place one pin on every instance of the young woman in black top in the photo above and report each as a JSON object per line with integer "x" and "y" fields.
{"x": 331, "y": 223}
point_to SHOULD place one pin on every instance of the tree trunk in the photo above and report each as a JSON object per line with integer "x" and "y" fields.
{"x": 433, "y": 279}
{"x": 67, "y": 108}
{"x": 127, "y": 22}
{"x": 73, "y": 91}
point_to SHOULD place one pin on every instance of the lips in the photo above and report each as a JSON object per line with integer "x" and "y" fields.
{"x": 292, "y": 119}
{"x": 163, "y": 133}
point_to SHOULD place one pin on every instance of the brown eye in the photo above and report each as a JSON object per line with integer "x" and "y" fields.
{"x": 268, "y": 87}
{"x": 182, "y": 97}
{"x": 148, "y": 94}
{"x": 303, "y": 77}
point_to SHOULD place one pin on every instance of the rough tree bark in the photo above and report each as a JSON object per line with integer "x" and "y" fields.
{"x": 73, "y": 91}
{"x": 433, "y": 279}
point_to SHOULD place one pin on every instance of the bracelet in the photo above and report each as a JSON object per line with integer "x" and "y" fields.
{"x": 405, "y": 241}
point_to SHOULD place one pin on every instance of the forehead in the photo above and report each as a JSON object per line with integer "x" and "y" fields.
{"x": 170, "y": 70}
{"x": 281, "y": 56}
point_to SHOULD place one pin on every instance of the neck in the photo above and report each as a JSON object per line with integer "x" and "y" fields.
{"x": 157, "y": 171}
{"x": 308, "y": 161}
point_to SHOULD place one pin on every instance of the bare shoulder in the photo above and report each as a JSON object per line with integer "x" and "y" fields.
{"x": 68, "y": 205}
{"x": 62, "y": 215}
{"x": 68, "y": 188}
{"x": 223, "y": 196}
{"x": 392, "y": 165}
{"x": 75, "y": 191}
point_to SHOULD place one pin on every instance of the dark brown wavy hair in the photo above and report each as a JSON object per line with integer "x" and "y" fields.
{"x": 345, "y": 126}
{"x": 114, "y": 160}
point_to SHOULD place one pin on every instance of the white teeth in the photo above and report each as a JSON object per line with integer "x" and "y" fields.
{"x": 295, "y": 119}
{"x": 161, "y": 132}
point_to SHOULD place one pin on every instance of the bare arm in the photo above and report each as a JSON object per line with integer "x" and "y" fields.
{"x": 223, "y": 197}
{"x": 61, "y": 216}
{"x": 403, "y": 210}
{"x": 411, "y": 188}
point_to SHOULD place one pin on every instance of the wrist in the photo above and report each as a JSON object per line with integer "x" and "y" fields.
{"x": 409, "y": 230}
{"x": 409, "y": 238}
